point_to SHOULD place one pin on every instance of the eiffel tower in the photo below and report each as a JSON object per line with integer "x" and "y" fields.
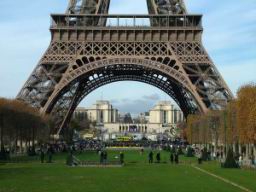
{"x": 90, "y": 48}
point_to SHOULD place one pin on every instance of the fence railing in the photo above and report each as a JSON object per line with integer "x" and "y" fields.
{"x": 165, "y": 21}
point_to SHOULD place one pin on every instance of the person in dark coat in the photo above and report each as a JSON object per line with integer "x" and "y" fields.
{"x": 42, "y": 153}
{"x": 171, "y": 158}
{"x": 150, "y": 157}
{"x": 121, "y": 158}
{"x": 158, "y": 158}
{"x": 176, "y": 158}
{"x": 50, "y": 152}
{"x": 101, "y": 157}
{"x": 105, "y": 157}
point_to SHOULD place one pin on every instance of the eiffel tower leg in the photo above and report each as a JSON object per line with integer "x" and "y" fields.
{"x": 203, "y": 74}
{"x": 46, "y": 76}
{"x": 70, "y": 68}
{"x": 85, "y": 54}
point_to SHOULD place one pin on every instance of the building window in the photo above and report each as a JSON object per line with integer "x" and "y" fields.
{"x": 112, "y": 116}
{"x": 165, "y": 117}
{"x": 101, "y": 116}
{"x": 175, "y": 116}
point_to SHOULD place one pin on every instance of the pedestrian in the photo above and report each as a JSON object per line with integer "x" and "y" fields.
{"x": 218, "y": 155}
{"x": 50, "y": 152}
{"x": 176, "y": 158}
{"x": 171, "y": 158}
{"x": 150, "y": 157}
{"x": 101, "y": 157}
{"x": 214, "y": 156}
{"x": 42, "y": 153}
{"x": 141, "y": 151}
{"x": 240, "y": 161}
{"x": 158, "y": 157}
{"x": 121, "y": 158}
{"x": 252, "y": 159}
{"x": 105, "y": 157}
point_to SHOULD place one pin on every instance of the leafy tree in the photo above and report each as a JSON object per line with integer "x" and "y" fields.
{"x": 246, "y": 103}
{"x": 20, "y": 122}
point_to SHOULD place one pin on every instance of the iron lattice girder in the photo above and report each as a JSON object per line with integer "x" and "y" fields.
{"x": 166, "y": 7}
{"x": 102, "y": 6}
{"x": 88, "y": 6}
{"x": 91, "y": 81}
{"x": 86, "y": 52}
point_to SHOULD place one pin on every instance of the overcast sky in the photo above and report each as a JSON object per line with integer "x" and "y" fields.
{"x": 229, "y": 37}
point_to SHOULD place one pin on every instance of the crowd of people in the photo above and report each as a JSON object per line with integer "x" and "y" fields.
{"x": 175, "y": 148}
{"x": 47, "y": 151}
{"x": 155, "y": 147}
{"x": 173, "y": 158}
{"x": 89, "y": 145}
{"x": 204, "y": 154}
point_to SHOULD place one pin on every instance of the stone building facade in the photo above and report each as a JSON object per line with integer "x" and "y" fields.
{"x": 162, "y": 118}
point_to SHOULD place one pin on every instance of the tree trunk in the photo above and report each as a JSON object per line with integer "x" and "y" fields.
{"x": 16, "y": 144}
{"x": 26, "y": 146}
{"x": 247, "y": 151}
{"x": 216, "y": 144}
{"x": 234, "y": 147}
{"x": 33, "y": 137}
{"x": 20, "y": 145}
{"x": 240, "y": 149}
{"x": 250, "y": 150}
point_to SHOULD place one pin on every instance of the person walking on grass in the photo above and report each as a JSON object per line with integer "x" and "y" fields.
{"x": 176, "y": 158}
{"x": 171, "y": 158}
{"x": 141, "y": 151}
{"x": 50, "y": 153}
{"x": 150, "y": 157}
{"x": 105, "y": 157}
{"x": 101, "y": 157}
{"x": 121, "y": 158}
{"x": 158, "y": 157}
{"x": 42, "y": 153}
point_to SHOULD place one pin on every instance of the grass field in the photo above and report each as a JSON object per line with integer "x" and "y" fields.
{"x": 136, "y": 176}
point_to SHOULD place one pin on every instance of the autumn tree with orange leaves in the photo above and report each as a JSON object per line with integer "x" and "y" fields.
{"x": 246, "y": 113}
{"x": 233, "y": 126}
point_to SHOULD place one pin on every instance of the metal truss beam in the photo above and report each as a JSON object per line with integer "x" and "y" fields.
{"x": 86, "y": 52}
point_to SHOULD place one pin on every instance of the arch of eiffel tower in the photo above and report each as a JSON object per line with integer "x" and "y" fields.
{"x": 90, "y": 48}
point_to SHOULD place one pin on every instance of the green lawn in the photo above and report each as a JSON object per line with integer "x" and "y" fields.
{"x": 136, "y": 176}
